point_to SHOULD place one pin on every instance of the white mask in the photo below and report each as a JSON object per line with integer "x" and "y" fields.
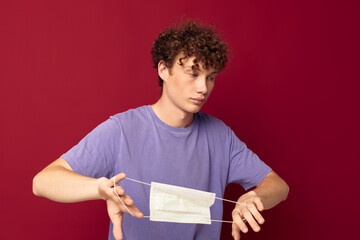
{"x": 169, "y": 203}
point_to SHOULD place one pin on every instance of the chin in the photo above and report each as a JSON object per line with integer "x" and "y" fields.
{"x": 194, "y": 109}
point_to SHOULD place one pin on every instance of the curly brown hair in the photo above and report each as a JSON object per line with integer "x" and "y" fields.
{"x": 193, "y": 40}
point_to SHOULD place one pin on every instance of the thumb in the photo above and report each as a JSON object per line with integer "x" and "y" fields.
{"x": 117, "y": 226}
{"x": 118, "y": 177}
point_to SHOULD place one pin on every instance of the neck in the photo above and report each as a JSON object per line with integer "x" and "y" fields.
{"x": 171, "y": 115}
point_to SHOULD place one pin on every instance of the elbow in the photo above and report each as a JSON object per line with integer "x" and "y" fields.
{"x": 286, "y": 190}
{"x": 35, "y": 186}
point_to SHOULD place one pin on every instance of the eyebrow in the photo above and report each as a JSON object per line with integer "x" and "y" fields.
{"x": 189, "y": 68}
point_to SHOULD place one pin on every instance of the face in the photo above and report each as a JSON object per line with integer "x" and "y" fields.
{"x": 185, "y": 88}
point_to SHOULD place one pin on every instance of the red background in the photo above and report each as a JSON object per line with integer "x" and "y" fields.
{"x": 289, "y": 91}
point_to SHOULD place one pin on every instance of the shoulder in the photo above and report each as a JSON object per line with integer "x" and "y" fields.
{"x": 210, "y": 121}
{"x": 132, "y": 115}
{"x": 214, "y": 127}
{"x": 133, "y": 121}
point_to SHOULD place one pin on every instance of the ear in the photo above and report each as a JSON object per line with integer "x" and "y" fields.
{"x": 163, "y": 71}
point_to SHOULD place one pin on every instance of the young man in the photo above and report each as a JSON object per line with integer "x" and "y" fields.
{"x": 169, "y": 142}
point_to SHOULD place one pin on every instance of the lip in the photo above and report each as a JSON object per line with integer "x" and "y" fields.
{"x": 198, "y": 101}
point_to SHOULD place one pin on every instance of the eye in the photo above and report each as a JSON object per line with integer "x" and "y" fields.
{"x": 193, "y": 74}
{"x": 211, "y": 78}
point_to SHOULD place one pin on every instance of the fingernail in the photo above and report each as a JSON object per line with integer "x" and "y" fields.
{"x": 256, "y": 228}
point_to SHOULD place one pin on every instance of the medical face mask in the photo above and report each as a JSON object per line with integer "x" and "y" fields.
{"x": 169, "y": 203}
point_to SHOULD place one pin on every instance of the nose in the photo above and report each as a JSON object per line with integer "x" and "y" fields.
{"x": 201, "y": 85}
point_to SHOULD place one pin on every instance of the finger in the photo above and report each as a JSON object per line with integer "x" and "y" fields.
{"x": 126, "y": 204}
{"x": 111, "y": 192}
{"x": 237, "y": 220}
{"x": 119, "y": 190}
{"x": 235, "y": 231}
{"x": 256, "y": 214}
{"x": 120, "y": 177}
{"x": 259, "y": 204}
{"x": 122, "y": 197}
{"x": 134, "y": 210}
{"x": 137, "y": 213}
{"x": 117, "y": 178}
{"x": 251, "y": 221}
{"x": 126, "y": 199}
{"x": 117, "y": 226}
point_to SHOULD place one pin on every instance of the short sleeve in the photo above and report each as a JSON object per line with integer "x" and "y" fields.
{"x": 246, "y": 168}
{"x": 95, "y": 154}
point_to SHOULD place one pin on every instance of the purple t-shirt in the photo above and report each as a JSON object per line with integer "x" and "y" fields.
{"x": 205, "y": 156}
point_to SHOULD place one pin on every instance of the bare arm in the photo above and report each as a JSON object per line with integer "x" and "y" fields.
{"x": 58, "y": 182}
{"x": 272, "y": 190}
{"x": 267, "y": 194}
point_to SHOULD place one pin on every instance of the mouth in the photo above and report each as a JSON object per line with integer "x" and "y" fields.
{"x": 198, "y": 101}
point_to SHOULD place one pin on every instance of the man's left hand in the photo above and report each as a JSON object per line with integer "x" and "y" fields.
{"x": 247, "y": 210}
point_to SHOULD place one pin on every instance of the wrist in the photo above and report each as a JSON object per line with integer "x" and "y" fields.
{"x": 248, "y": 194}
{"x": 100, "y": 187}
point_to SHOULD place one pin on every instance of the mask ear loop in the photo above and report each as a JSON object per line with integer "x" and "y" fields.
{"x": 121, "y": 200}
{"x": 243, "y": 219}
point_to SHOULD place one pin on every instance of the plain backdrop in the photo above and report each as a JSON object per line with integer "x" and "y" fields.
{"x": 290, "y": 92}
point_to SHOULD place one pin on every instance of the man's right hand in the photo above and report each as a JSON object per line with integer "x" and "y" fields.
{"x": 114, "y": 206}
{"x": 58, "y": 182}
